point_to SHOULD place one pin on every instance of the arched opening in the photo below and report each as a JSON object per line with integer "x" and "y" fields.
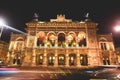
{"x": 83, "y": 59}
{"x": 51, "y": 39}
{"x": 103, "y": 43}
{"x": 51, "y": 59}
{"x": 72, "y": 59}
{"x": 82, "y": 40}
{"x": 71, "y": 40}
{"x": 61, "y": 39}
{"x": 40, "y": 59}
{"x": 61, "y": 59}
{"x": 106, "y": 60}
{"x": 17, "y": 60}
{"x": 40, "y": 39}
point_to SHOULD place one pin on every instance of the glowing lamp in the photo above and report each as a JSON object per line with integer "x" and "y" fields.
{"x": 2, "y": 23}
{"x": 117, "y": 28}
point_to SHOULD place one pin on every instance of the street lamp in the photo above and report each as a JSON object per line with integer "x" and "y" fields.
{"x": 2, "y": 23}
{"x": 117, "y": 28}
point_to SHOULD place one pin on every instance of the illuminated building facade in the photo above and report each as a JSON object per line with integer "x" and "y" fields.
{"x": 61, "y": 42}
{"x": 3, "y": 51}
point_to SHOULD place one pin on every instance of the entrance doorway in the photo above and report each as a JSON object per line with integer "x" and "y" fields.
{"x": 106, "y": 61}
{"x": 17, "y": 61}
{"x": 83, "y": 59}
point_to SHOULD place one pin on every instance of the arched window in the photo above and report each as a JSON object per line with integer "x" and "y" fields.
{"x": 82, "y": 39}
{"x": 40, "y": 39}
{"x": 103, "y": 44}
{"x": 61, "y": 39}
{"x": 71, "y": 39}
{"x": 51, "y": 39}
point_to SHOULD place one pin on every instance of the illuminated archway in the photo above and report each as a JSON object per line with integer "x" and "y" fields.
{"x": 61, "y": 39}
{"x": 40, "y": 39}
{"x": 71, "y": 38}
{"x": 51, "y": 37}
{"x": 82, "y": 39}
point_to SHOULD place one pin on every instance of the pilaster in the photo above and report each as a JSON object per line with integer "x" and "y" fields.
{"x": 33, "y": 62}
{"x": 45, "y": 58}
{"x": 78, "y": 60}
{"x": 56, "y": 59}
{"x": 67, "y": 59}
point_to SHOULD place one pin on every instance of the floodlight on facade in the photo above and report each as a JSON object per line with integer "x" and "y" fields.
{"x": 2, "y": 23}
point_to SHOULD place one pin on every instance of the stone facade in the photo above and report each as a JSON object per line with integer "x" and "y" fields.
{"x": 3, "y": 51}
{"x": 61, "y": 42}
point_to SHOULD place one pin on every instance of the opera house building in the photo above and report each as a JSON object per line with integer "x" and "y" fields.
{"x": 61, "y": 42}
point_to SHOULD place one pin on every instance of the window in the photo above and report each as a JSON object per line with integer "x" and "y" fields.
{"x": 103, "y": 46}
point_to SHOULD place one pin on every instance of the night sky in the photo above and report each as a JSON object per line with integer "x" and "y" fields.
{"x": 17, "y": 12}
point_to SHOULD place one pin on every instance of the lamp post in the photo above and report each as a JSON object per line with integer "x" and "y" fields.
{"x": 2, "y": 23}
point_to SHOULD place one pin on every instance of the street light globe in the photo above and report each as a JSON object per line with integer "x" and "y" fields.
{"x": 117, "y": 28}
{"x": 2, "y": 22}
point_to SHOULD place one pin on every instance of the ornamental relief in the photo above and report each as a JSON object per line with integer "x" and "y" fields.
{"x": 31, "y": 42}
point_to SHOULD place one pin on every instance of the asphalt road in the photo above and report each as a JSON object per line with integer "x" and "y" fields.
{"x": 98, "y": 73}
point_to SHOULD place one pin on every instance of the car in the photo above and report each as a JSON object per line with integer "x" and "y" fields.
{"x": 112, "y": 73}
{"x": 2, "y": 64}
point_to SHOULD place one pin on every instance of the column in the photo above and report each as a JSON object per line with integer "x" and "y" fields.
{"x": 98, "y": 57}
{"x": 25, "y": 61}
{"x": 110, "y": 57}
{"x": 33, "y": 62}
{"x": 67, "y": 59}
{"x": 11, "y": 58}
{"x": 8, "y": 58}
{"x": 45, "y": 58}
{"x": 56, "y": 42}
{"x": 89, "y": 60}
{"x": 56, "y": 59}
{"x": 35, "y": 42}
{"x": 78, "y": 60}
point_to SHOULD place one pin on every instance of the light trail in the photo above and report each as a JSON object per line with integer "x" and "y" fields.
{"x": 15, "y": 29}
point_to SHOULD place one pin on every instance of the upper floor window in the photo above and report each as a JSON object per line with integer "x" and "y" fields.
{"x": 51, "y": 39}
{"x": 41, "y": 39}
{"x": 71, "y": 40}
{"x": 82, "y": 39}
{"x": 61, "y": 39}
{"x": 103, "y": 46}
{"x": 103, "y": 43}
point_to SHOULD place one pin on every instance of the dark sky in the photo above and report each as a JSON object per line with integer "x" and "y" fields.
{"x": 17, "y": 12}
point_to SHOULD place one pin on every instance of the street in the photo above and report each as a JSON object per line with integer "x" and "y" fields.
{"x": 102, "y": 73}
